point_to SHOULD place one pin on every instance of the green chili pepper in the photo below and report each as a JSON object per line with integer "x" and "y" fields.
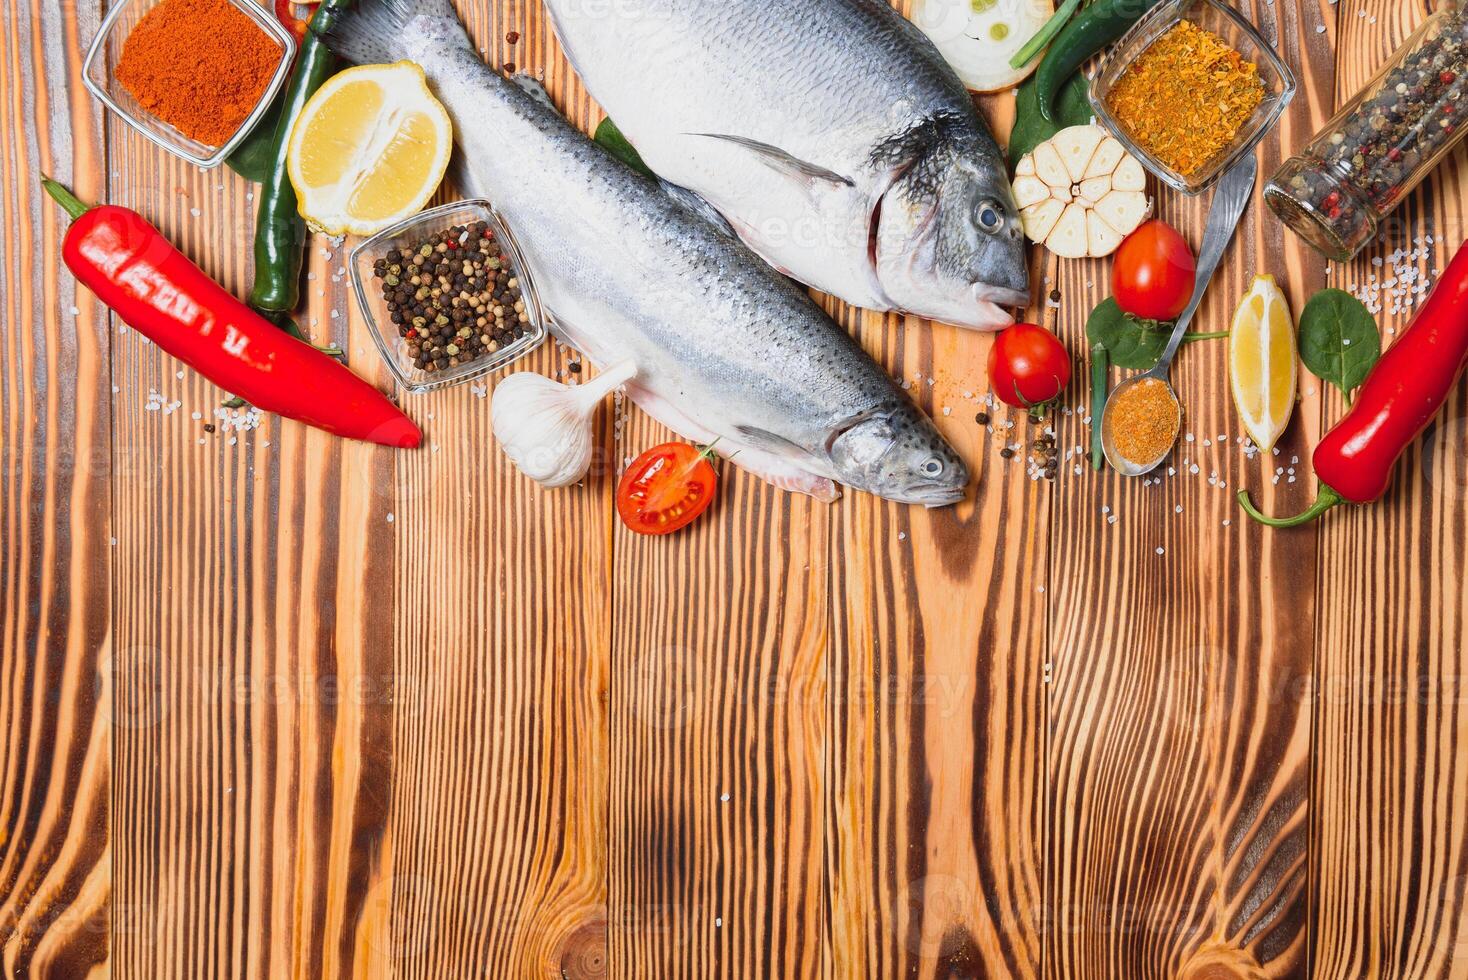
{"x": 251, "y": 159}
{"x": 280, "y": 233}
{"x": 1093, "y": 29}
{"x": 1100, "y": 389}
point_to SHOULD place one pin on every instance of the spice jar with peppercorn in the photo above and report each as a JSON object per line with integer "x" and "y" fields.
{"x": 448, "y": 295}
{"x": 1381, "y": 145}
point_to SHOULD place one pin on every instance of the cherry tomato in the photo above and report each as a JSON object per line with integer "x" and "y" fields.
{"x": 666, "y": 489}
{"x": 1154, "y": 273}
{"x": 1028, "y": 367}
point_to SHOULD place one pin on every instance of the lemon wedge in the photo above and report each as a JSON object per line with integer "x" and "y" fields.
{"x": 369, "y": 149}
{"x": 1263, "y": 362}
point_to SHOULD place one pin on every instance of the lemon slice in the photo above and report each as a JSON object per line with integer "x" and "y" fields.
{"x": 369, "y": 149}
{"x": 1263, "y": 362}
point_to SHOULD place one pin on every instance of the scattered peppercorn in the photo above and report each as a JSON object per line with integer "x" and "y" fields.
{"x": 982, "y": 418}
{"x": 454, "y": 297}
{"x": 513, "y": 37}
{"x": 1006, "y": 453}
{"x": 208, "y": 426}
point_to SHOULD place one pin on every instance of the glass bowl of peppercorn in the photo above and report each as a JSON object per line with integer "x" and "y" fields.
{"x": 1190, "y": 89}
{"x": 448, "y": 296}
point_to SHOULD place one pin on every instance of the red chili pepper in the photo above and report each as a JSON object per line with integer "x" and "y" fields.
{"x": 286, "y": 14}
{"x": 161, "y": 294}
{"x": 1398, "y": 401}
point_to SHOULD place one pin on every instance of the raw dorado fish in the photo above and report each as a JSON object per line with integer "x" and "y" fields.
{"x": 832, "y": 135}
{"x": 725, "y": 348}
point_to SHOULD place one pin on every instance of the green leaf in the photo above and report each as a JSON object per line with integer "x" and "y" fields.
{"x": 1339, "y": 340}
{"x": 612, "y": 140}
{"x": 1031, "y": 128}
{"x": 1134, "y": 345}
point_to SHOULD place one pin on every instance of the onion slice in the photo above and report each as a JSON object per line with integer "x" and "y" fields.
{"x": 979, "y": 38}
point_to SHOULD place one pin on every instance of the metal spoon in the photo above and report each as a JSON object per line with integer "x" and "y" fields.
{"x": 1229, "y": 201}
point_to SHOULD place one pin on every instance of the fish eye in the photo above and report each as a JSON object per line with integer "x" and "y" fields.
{"x": 990, "y": 216}
{"x": 933, "y": 467}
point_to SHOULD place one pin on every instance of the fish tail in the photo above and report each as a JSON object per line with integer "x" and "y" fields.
{"x": 382, "y": 31}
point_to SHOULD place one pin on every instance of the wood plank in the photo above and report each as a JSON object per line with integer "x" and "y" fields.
{"x": 938, "y": 705}
{"x": 719, "y": 727}
{"x": 1390, "y": 867}
{"x": 1179, "y": 748}
{"x": 55, "y": 560}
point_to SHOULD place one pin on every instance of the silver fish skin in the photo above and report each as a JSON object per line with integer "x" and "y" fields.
{"x": 726, "y": 350}
{"x": 832, "y": 135}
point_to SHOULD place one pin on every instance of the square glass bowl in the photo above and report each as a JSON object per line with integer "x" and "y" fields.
{"x": 385, "y": 334}
{"x": 106, "y": 51}
{"x": 1218, "y": 17}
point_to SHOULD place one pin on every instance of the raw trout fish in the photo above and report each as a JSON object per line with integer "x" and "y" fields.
{"x": 725, "y": 348}
{"x": 830, "y": 133}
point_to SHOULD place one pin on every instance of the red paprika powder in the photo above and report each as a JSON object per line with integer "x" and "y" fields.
{"x": 199, "y": 65}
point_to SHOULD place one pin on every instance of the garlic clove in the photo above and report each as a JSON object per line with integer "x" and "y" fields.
{"x": 545, "y": 427}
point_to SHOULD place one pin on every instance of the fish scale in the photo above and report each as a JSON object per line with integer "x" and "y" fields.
{"x": 743, "y": 101}
{"x": 725, "y": 349}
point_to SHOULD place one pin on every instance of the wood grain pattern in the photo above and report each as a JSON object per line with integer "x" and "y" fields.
{"x": 323, "y": 710}
{"x": 1390, "y": 785}
{"x": 1178, "y": 764}
{"x": 55, "y": 687}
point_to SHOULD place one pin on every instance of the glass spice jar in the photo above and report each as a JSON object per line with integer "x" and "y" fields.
{"x": 1382, "y": 143}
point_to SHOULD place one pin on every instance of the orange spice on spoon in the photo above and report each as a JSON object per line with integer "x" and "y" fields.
{"x": 1143, "y": 423}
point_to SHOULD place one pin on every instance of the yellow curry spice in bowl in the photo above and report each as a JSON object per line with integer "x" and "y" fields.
{"x": 1186, "y": 97}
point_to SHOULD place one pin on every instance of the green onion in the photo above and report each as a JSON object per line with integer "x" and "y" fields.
{"x": 1046, "y": 34}
{"x": 1100, "y": 382}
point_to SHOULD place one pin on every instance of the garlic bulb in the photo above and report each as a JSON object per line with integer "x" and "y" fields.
{"x": 545, "y": 427}
{"x": 1081, "y": 193}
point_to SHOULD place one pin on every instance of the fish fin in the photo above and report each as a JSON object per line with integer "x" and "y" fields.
{"x": 779, "y": 471}
{"x": 769, "y": 440}
{"x": 782, "y": 161}
{"x": 534, "y": 88}
{"x": 377, "y": 31}
{"x": 699, "y": 205}
{"x": 784, "y": 477}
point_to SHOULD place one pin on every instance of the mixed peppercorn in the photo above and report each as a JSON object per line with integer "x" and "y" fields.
{"x": 1359, "y": 168}
{"x": 454, "y": 297}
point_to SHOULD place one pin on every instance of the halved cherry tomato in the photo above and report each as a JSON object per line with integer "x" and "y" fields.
{"x": 666, "y": 488}
{"x": 1028, "y": 367}
{"x": 1154, "y": 273}
{"x": 285, "y": 12}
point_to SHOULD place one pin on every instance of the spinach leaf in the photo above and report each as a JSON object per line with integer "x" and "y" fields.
{"x": 1134, "y": 345}
{"x": 612, "y": 140}
{"x": 1031, "y": 128}
{"x": 1339, "y": 341}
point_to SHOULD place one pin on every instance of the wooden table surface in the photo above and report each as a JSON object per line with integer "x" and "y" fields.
{"x": 275, "y": 705}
